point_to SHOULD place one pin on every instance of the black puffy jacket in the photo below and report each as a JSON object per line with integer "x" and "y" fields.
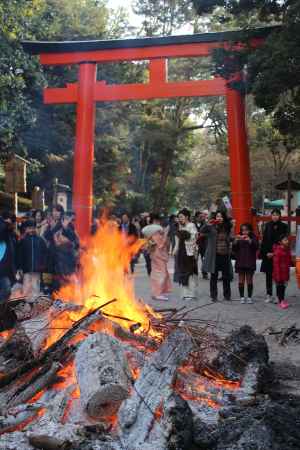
{"x": 32, "y": 254}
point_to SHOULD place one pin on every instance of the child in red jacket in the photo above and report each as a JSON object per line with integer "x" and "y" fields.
{"x": 282, "y": 261}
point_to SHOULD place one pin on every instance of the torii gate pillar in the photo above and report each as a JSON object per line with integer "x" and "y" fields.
{"x": 239, "y": 158}
{"x": 84, "y": 149}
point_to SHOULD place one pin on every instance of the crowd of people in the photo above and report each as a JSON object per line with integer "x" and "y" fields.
{"x": 41, "y": 253}
{"x": 44, "y": 253}
{"x": 221, "y": 251}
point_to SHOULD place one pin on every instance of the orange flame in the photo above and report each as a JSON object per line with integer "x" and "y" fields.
{"x": 36, "y": 397}
{"x": 67, "y": 375}
{"x": 104, "y": 276}
{"x": 6, "y": 334}
{"x": 25, "y": 423}
{"x": 195, "y": 388}
{"x": 158, "y": 413}
{"x": 75, "y": 394}
{"x": 219, "y": 380}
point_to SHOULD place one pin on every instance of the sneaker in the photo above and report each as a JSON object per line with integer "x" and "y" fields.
{"x": 269, "y": 299}
{"x": 249, "y": 301}
{"x": 243, "y": 300}
{"x": 284, "y": 304}
{"x": 214, "y": 299}
{"x": 227, "y": 299}
{"x": 160, "y": 297}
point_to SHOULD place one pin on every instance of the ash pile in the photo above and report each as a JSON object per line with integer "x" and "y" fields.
{"x": 102, "y": 386}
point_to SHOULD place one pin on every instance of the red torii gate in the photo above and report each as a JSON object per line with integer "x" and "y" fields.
{"x": 88, "y": 91}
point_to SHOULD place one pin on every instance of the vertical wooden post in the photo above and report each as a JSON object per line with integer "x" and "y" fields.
{"x": 15, "y": 203}
{"x": 289, "y": 200}
{"x": 54, "y": 193}
{"x": 239, "y": 157}
{"x": 84, "y": 150}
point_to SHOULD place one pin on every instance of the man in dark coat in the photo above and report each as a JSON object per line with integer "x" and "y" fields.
{"x": 271, "y": 235}
{"x": 63, "y": 244}
{"x": 32, "y": 250}
{"x": 130, "y": 230}
{"x": 7, "y": 269}
{"x": 127, "y": 227}
{"x": 32, "y": 259}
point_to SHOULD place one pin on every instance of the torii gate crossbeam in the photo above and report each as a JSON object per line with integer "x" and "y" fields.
{"x": 88, "y": 91}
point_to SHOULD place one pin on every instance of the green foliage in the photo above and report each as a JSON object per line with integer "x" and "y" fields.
{"x": 273, "y": 70}
{"x": 18, "y": 72}
{"x": 163, "y": 17}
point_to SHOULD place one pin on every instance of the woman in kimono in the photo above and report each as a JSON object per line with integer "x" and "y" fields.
{"x": 158, "y": 246}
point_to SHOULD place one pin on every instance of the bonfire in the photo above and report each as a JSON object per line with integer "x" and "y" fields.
{"x": 96, "y": 366}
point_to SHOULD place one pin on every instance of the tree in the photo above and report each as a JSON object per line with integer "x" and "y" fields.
{"x": 45, "y": 134}
{"x": 164, "y": 140}
{"x": 18, "y": 72}
{"x": 163, "y": 16}
{"x": 207, "y": 178}
{"x": 273, "y": 69}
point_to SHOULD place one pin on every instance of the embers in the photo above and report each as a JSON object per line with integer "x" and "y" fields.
{"x": 209, "y": 388}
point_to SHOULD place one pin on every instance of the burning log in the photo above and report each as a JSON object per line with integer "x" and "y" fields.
{"x": 36, "y": 331}
{"x": 44, "y": 378}
{"x": 103, "y": 375}
{"x": 25, "y": 308}
{"x": 16, "y": 349}
{"x": 55, "y": 352}
{"x": 12, "y": 419}
{"x": 151, "y": 392}
{"x": 139, "y": 339}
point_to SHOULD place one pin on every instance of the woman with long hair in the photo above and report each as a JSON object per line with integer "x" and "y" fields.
{"x": 272, "y": 232}
{"x": 217, "y": 255}
{"x": 185, "y": 255}
{"x": 245, "y": 247}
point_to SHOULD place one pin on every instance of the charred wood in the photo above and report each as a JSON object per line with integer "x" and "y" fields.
{"x": 12, "y": 419}
{"x": 45, "y": 442}
{"x": 151, "y": 391}
{"x": 43, "y": 379}
{"x": 103, "y": 374}
{"x": 54, "y": 352}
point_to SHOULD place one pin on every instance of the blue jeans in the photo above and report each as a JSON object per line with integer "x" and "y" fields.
{"x": 5, "y": 289}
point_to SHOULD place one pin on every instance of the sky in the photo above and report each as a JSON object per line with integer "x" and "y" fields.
{"x": 136, "y": 20}
{"x": 117, "y": 3}
{"x": 114, "y": 4}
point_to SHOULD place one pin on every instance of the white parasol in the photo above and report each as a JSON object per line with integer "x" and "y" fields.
{"x": 150, "y": 230}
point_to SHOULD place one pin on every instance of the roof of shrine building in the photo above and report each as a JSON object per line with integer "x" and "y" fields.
{"x": 37, "y": 47}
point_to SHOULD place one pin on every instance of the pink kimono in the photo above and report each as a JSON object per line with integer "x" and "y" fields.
{"x": 160, "y": 278}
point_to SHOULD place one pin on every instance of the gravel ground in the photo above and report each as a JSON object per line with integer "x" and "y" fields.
{"x": 231, "y": 315}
